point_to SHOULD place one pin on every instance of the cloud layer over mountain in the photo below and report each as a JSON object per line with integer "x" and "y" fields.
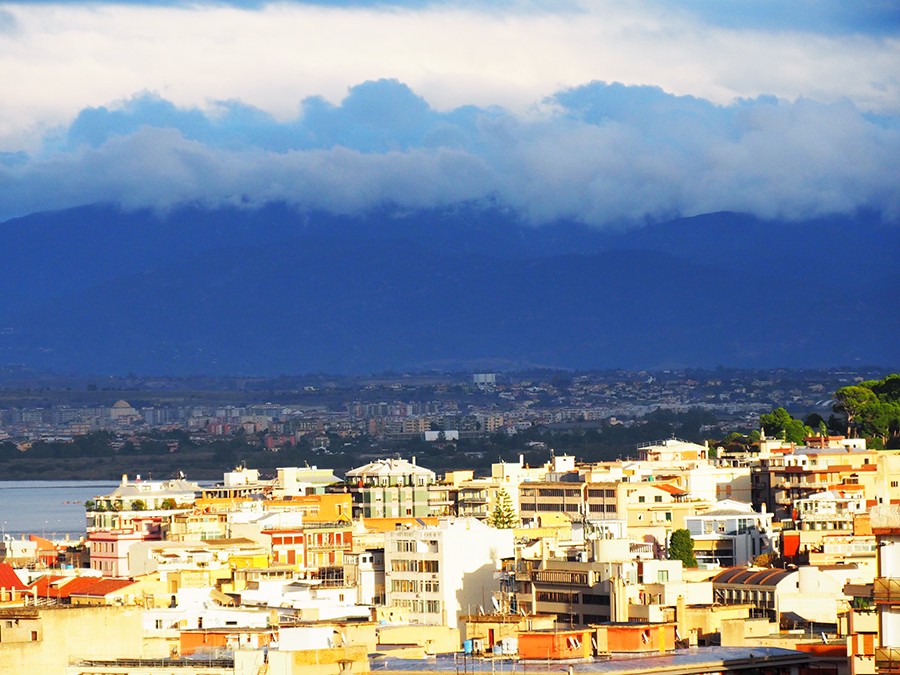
{"x": 598, "y": 153}
{"x": 779, "y": 109}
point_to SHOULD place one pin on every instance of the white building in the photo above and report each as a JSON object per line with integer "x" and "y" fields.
{"x": 293, "y": 481}
{"x": 830, "y": 510}
{"x": 731, "y": 534}
{"x": 886, "y": 527}
{"x": 202, "y": 607}
{"x": 440, "y": 573}
{"x": 148, "y": 495}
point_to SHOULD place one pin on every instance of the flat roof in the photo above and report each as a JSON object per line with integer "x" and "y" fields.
{"x": 692, "y": 661}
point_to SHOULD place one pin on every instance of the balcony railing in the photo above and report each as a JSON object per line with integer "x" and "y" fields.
{"x": 887, "y": 659}
{"x": 887, "y": 590}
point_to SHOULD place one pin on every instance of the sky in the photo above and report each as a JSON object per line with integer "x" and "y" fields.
{"x": 610, "y": 113}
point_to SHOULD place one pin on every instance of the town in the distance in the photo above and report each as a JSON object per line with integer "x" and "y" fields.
{"x": 678, "y": 522}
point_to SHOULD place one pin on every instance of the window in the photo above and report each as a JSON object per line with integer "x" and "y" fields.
{"x": 662, "y": 576}
{"x": 641, "y": 499}
{"x": 557, "y": 596}
{"x": 594, "y": 599}
{"x": 658, "y": 499}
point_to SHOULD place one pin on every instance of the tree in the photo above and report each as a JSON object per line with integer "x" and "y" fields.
{"x": 872, "y": 408}
{"x": 504, "y": 516}
{"x": 780, "y": 423}
{"x": 851, "y": 402}
{"x": 138, "y": 505}
{"x": 765, "y": 559}
{"x": 681, "y": 547}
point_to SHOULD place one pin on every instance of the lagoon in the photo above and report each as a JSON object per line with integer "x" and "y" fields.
{"x": 49, "y": 508}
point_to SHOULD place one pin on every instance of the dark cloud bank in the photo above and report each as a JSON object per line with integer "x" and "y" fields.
{"x": 600, "y": 154}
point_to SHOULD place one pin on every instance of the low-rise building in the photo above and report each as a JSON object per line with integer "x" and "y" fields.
{"x": 730, "y": 534}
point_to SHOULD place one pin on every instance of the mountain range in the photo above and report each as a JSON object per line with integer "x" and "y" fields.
{"x": 279, "y": 290}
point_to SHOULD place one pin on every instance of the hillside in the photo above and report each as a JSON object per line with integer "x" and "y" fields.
{"x": 268, "y": 291}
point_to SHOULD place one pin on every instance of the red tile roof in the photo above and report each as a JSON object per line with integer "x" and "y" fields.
{"x": 77, "y": 585}
{"x": 9, "y": 579}
{"x": 42, "y": 543}
{"x": 104, "y": 586}
{"x": 47, "y": 586}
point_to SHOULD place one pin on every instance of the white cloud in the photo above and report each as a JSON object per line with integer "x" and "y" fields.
{"x": 67, "y": 57}
{"x": 601, "y": 154}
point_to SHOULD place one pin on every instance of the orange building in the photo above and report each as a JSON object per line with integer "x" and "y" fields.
{"x": 556, "y": 645}
{"x": 312, "y": 547}
{"x": 635, "y": 637}
{"x": 213, "y": 639}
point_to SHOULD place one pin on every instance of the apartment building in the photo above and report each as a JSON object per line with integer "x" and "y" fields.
{"x": 886, "y": 528}
{"x": 440, "y": 573}
{"x": 786, "y": 477}
{"x": 730, "y": 534}
{"x": 390, "y": 488}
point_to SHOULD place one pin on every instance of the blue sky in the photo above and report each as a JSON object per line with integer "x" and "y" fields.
{"x": 607, "y": 112}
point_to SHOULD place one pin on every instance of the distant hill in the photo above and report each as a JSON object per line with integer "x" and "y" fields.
{"x": 276, "y": 290}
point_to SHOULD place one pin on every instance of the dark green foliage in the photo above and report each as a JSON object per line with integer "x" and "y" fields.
{"x": 872, "y": 409}
{"x": 681, "y": 547}
{"x": 779, "y": 423}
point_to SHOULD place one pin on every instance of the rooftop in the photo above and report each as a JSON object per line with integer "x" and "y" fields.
{"x": 682, "y": 662}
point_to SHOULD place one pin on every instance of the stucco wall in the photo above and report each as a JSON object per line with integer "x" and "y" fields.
{"x": 73, "y": 632}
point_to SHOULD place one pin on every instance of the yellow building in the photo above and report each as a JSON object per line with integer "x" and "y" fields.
{"x": 45, "y": 639}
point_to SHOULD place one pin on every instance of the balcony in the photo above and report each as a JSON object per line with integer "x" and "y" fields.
{"x": 863, "y": 621}
{"x": 887, "y": 660}
{"x": 887, "y": 590}
{"x": 827, "y": 517}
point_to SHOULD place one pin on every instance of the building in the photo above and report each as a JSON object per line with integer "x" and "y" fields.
{"x": 440, "y": 573}
{"x": 886, "y": 528}
{"x": 390, "y": 488}
{"x": 109, "y": 550}
{"x": 314, "y": 549}
{"x": 43, "y": 639}
{"x": 788, "y": 476}
{"x": 140, "y": 495}
{"x": 809, "y": 596}
{"x": 730, "y": 535}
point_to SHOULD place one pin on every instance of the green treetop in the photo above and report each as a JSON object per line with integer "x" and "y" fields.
{"x": 504, "y": 516}
{"x": 780, "y": 423}
{"x": 681, "y": 547}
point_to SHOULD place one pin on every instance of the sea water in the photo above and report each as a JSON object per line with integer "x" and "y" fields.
{"x": 50, "y": 508}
